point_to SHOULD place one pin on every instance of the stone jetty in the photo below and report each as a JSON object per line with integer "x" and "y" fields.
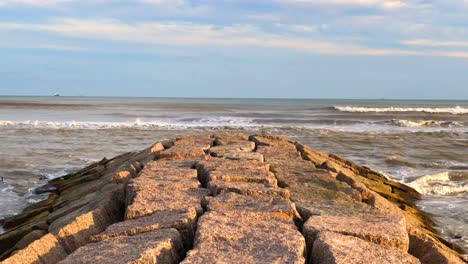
{"x": 225, "y": 198}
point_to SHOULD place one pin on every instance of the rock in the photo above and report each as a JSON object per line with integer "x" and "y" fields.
{"x": 161, "y": 246}
{"x": 246, "y": 238}
{"x": 220, "y": 151}
{"x": 245, "y": 156}
{"x": 316, "y": 157}
{"x": 184, "y": 221}
{"x": 212, "y": 164}
{"x": 182, "y": 152}
{"x": 334, "y": 248}
{"x": 385, "y": 230}
{"x": 147, "y": 203}
{"x": 253, "y": 189}
{"x": 46, "y": 250}
{"x": 222, "y": 139}
{"x": 75, "y": 229}
{"x": 429, "y": 251}
{"x": 233, "y": 202}
{"x": 272, "y": 141}
{"x": 279, "y": 153}
{"x": 29, "y": 238}
{"x": 256, "y": 176}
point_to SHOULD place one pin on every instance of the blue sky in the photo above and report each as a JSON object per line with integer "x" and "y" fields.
{"x": 235, "y": 48}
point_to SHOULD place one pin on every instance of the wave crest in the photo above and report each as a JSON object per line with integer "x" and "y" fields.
{"x": 457, "y": 110}
{"x": 424, "y": 123}
{"x": 443, "y": 183}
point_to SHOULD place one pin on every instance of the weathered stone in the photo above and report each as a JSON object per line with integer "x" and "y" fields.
{"x": 429, "y": 251}
{"x": 158, "y": 146}
{"x": 316, "y": 157}
{"x": 246, "y": 238}
{"x": 222, "y": 139}
{"x": 200, "y": 140}
{"x": 331, "y": 248}
{"x": 145, "y": 184}
{"x": 75, "y": 229}
{"x": 147, "y": 203}
{"x": 165, "y": 165}
{"x": 46, "y": 250}
{"x": 253, "y": 189}
{"x": 212, "y": 164}
{"x": 270, "y": 140}
{"x": 233, "y": 202}
{"x": 279, "y": 153}
{"x": 183, "y": 220}
{"x": 182, "y": 152}
{"x": 161, "y": 246}
{"x": 245, "y": 156}
{"x": 256, "y": 176}
{"x": 29, "y": 238}
{"x": 386, "y": 230}
{"x": 220, "y": 151}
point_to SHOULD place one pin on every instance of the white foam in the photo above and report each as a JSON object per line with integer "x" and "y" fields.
{"x": 438, "y": 184}
{"x": 138, "y": 123}
{"x": 424, "y": 123}
{"x": 457, "y": 110}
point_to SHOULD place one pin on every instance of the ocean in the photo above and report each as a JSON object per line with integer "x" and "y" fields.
{"x": 423, "y": 144}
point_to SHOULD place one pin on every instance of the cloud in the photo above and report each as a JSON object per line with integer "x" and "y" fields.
{"x": 435, "y": 43}
{"x": 191, "y": 34}
{"x": 37, "y": 3}
{"x": 383, "y": 4}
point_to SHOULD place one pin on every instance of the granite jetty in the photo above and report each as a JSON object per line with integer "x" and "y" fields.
{"x": 225, "y": 198}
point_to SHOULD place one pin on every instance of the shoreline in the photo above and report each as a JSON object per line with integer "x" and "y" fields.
{"x": 369, "y": 188}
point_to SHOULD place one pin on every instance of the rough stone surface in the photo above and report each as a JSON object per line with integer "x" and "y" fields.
{"x": 255, "y": 176}
{"x": 46, "y": 250}
{"x": 161, "y": 246}
{"x": 233, "y": 202}
{"x": 29, "y": 238}
{"x": 182, "y": 220}
{"x": 246, "y": 238}
{"x": 220, "y": 151}
{"x": 147, "y": 203}
{"x": 253, "y": 189}
{"x": 386, "y": 230}
{"x": 255, "y": 156}
{"x": 331, "y": 248}
{"x": 279, "y": 153}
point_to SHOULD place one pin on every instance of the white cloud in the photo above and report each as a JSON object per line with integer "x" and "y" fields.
{"x": 435, "y": 43}
{"x": 384, "y": 4}
{"x": 37, "y": 3}
{"x": 190, "y": 34}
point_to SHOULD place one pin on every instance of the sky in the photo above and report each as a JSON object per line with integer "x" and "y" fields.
{"x": 400, "y": 49}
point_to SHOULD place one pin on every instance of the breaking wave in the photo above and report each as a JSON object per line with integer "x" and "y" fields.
{"x": 424, "y": 123}
{"x": 457, "y": 110}
{"x": 138, "y": 124}
{"x": 443, "y": 183}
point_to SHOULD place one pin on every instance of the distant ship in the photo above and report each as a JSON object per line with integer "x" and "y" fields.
{"x": 56, "y": 94}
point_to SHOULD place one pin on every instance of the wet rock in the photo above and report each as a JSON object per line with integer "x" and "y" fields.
{"x": 246, "y": 238}
{"x": 429, "y": 251}
{"x": 161, "y": 246}
{"x": 233, "y": 202}
{"x": 147, "y": 203}
{"x": 334, "y": 248}
{"x": 256, "y": 176}
{"x": 74, "y": 229}
{"x": 184, "y": 221}
{"x": 253, "y": 189}
{"x": 46, "y": 250}
{"x": 29, "y": 238}
{"x": 386, "y": 230}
